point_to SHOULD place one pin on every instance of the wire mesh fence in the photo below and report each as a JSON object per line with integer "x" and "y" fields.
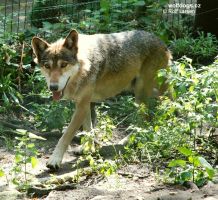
{"x": 19, "y": 15}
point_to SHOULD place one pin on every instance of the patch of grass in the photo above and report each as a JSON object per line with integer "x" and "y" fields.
{"x": 180, "y": 121}
{"x": 201, "y": 49}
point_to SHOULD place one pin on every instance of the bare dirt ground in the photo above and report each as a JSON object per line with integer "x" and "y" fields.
{"x": 131, "y": 182}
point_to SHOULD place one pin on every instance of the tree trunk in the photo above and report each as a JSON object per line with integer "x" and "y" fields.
{"x": 206, "y": 18}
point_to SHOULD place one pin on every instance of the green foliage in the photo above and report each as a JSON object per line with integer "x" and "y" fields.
{"x": 25, "y": 153}
{"x": 15, "y": 60}
{"x": 51, "y": 116}
{"x": 112, "y": 16}
{"x": 193, "y": 168}
{"x": 180, "y": 122}
{"x": 103, "y": 134}
{"x": 202, "y": 49}
{"x": 124, "y": 15}
{"x": 115, "y": 16}
{"x": 9, "y": 93}
{"x": 35, "y": 84}
{"x": 25, "y": 157}
{"x": 46, "y": 10}
{"x": 125, "y": 108}
{"x": 8, "y": 73}
{"x": 102, "y": 166}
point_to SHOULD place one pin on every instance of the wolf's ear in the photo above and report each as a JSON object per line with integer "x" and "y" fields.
{"x": 71, "y": 41}
{"x": 39, "y": 46}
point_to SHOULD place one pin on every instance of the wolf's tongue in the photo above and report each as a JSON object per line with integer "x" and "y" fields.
{"x": 56, "y": 95}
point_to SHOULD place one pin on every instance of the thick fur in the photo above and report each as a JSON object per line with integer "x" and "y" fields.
{"x": 91, "y": 68}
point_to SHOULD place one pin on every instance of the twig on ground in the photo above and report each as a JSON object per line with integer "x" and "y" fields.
{"x": 39, "y": 191}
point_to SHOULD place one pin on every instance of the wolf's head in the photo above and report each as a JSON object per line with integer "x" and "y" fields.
{"x": 58, "y": 61}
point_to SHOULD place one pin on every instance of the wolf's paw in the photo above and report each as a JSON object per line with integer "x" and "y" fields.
{"x": 54, "y": 162}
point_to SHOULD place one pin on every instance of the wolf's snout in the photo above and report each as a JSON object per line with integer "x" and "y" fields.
{"x": 54, "y": 87}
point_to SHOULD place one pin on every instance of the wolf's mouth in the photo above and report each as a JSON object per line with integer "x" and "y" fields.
{"x": 57, "y": 95}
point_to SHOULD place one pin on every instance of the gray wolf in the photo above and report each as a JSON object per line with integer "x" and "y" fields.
{"x": 91, "y": 68}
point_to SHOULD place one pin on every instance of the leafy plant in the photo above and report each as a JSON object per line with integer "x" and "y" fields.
{"x": 8, "y": 89}
{"x": 51, "y": 116}
{"x": 25, "y": 153}
{"x": 25, "y": 156}
{"x": 125, "y": 109}
{"x": 201, "y": 49}
{"x": 180, "y": 121}
{"x": 194, "y": 168}
{"x": 15, "y": 67}
{"x": 111, "y": 16}
{"x": 102, "y": 166}
{"x": 9, "y": 93}
{"x": 103, "y": 134}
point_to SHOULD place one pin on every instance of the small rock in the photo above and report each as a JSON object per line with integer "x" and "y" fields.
{"x": 210, "y": 198}
{"x": 135, "y": 178}
{"x": 173, "y": 193}
{"x": 210, "y": 184}
{"x": 192, "y": 186}
{"x": 139, "y": 198}
{"x": 100, "y": 197}
{"x": 11, "y": 195}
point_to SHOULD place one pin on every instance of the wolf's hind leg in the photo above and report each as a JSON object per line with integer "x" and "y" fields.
{"x": 87, "y": 123}
{"x": 146, "y": 86}
{"x": 145, "y": 89}
{"x": 91, "y": 119}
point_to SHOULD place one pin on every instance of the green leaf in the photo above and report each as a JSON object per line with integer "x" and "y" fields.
{"x": 30, "y": 146}
{"x": 163, "y": 1}
{"x": 21, "y": 131}
{"x": 194, "y": 160}
{"x": 210, "y": 172}
{"x": 18, "y": 158}
{"x": 174, "y": 163}
{"x": 209, "y": 169}
{"x": 5, "y": 98}
{"x": 139, "y": 3}
{"x": 161, "y": 77}
{"x": 156, "y": 128}
{"x": 182, "y": 88}
{"x": 34, "y": 136}
{"x": 182, "y": 69}
{"x": 186, "y": 175}
{"x": 86, "y": 147}
{"x": 105, "y": 4}
{"x": 204, "y": 163}
{"x": 191, "y": 88}
{"x": 15, "y": 98}
{"x": 185, "y": 151}
{"x": 34, "y": 162}
{"x": 2, "y": 173}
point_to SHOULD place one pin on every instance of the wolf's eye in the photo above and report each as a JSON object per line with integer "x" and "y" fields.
{"x": 47, "y": 66}
{"x": 63, "y": 65}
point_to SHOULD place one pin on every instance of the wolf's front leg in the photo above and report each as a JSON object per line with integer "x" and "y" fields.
{"x": 82, "y": 108}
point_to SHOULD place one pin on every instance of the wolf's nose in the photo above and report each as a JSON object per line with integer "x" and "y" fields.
{"x": 53, "y": 87}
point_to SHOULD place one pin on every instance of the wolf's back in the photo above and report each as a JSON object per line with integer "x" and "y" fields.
{"x": 116, "y": 50}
